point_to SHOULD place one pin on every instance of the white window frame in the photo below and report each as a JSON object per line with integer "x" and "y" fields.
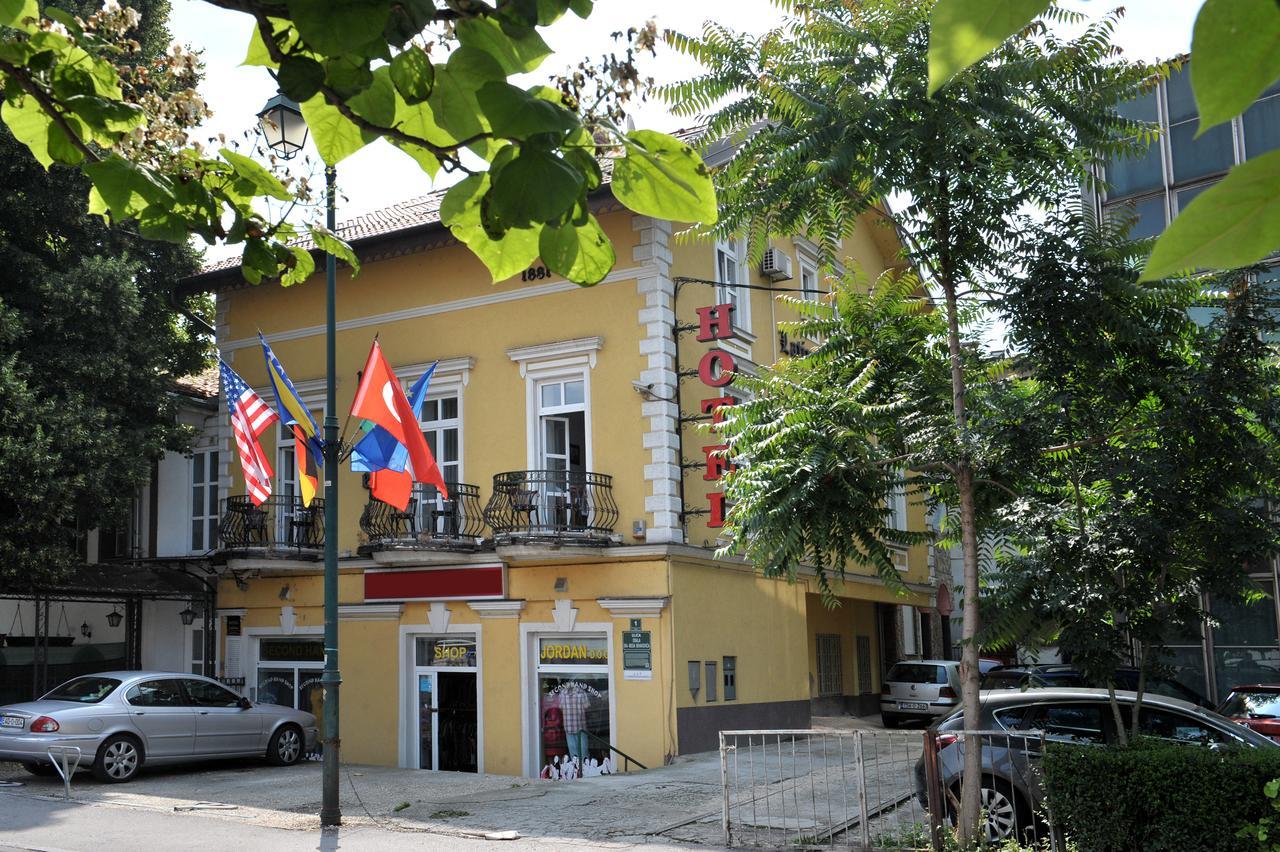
{"x": 741, "y": 296}
{"x": 441, "y": 425}
{"x": 567, "y": 360}
{"x": 809, "y": 267}
{"x": 211, "y": 512}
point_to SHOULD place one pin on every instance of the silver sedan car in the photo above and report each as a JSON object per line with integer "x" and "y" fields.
{"x": 123, "y": 720}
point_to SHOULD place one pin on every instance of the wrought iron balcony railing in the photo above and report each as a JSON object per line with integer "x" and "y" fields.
{"x": 571, "y": 507}
{"x": 430, "y": 521}
{"x": 280, "y": 523}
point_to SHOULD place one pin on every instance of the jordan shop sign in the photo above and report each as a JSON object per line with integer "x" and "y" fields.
{"x": 716, "y": 370}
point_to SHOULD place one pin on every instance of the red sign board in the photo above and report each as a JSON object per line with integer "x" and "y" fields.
{"x": 471, "y": 583}
{"x": 716, "y": 370}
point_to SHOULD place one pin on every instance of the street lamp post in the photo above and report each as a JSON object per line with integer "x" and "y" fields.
{"x": 285, "y": 132}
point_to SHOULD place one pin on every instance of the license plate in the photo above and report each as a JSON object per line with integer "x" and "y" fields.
{"x": 12, "y": 722}
{"x": 912, "y": 705}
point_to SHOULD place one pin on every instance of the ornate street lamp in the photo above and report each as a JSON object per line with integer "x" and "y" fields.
{"x": 285, "y": 132}
{"x": 85, "y": 630}
{"x": 114, "y": 618}
{"x": 188, "y": 615}
{"x": 282, "y": 127}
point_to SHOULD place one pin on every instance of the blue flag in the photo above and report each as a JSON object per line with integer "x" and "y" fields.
{"x": 378, "y": 450}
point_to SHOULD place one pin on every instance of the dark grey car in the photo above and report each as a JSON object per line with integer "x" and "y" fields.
{"x": 1011, "y": 789}
{"x": 121, "y": 720}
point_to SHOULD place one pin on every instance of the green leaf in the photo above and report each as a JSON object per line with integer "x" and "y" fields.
{"x": 504, "y": 256}
{"x": 1237, "y": 53}
{"x": 29, "y": 125}
{"x": 300, "y": 77}
{"x": 413, "y": 74}
{"x": 963, "y": 31}
{"x": 261, "y": 181}
{"x": 335, "y": 136}
{"x": 257, "y": 261}
{"x": 1232, "y": 224}
{"x": 581, "y": 8}
{"x": 286, "y": 37}
{"x": 453, "y": 99}
{"x": 517, "y": 49}
{"x": 581, "y": 253}
{"x": 126, "y": 189}
{"x": 348, "y": 75}
{"x": 516, "y": 114}
{"x": 19, "y": 14}
{"x": 407, "y": 19}
{"x": 424, "y": 158}
{"x": 106, "y": 119}
{"x": 377, "y": 103}
{"x": 335, "y": 27}
{"x": 535, "y": 187}
{"x": 303, "y": 266}
{"x": 330, "y": 242}
{"x": 665, "y": 178}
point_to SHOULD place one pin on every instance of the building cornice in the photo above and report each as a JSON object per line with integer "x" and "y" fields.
{"x": 497, "y": 609}
{"x": 634, "y": 607}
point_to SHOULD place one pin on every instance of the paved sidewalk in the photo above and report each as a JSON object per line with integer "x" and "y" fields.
{"x": 679, "y": 803}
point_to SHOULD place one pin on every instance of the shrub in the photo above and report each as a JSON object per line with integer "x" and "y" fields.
{"x": 1157, "y": 796}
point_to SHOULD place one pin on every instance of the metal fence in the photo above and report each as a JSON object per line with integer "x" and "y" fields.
{"x": 875, "y": 790}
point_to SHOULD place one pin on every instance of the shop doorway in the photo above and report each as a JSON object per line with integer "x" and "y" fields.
{"x": 446, "y": 705}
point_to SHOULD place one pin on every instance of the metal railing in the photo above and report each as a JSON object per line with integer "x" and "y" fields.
{"x": 429, "y": 521}
{"x": 568, "y": 507}
{"x": 876, "y": 790}
{"x": 280, "y": 523}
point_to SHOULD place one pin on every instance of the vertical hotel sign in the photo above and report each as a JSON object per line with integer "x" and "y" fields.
{"x": 716, "y": 370}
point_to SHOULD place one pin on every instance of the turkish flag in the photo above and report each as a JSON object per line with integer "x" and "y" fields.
{"x": 380, "y": 399}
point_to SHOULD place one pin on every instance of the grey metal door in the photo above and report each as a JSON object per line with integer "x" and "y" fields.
{"x": 222, "y": 725}
{"x": 159, "y": 712}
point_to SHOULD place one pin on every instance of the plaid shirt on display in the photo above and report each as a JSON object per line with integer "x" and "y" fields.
{"x": 573, "y": 704}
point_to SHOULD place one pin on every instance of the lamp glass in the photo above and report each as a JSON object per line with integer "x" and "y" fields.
{"x": 282, "y": 126}
{"x": 188, "y": 615}
{"x": 85, "y": 630}
{"x": 114, "y": 618}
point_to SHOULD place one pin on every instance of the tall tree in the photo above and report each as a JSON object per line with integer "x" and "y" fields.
{"x": 835, "y": 118}
{"x": 1159, "y": 436}
{"x": 90, "y": 346}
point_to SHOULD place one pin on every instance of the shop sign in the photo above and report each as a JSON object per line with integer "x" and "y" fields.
{"x": 573, "y": 652}
{"x": 471, "y": 583}
{"x": 459, "y": 651}
{"x": 291, "y": 650}
{"x": 716, "y": 370}
{"x": 637, "y": 655}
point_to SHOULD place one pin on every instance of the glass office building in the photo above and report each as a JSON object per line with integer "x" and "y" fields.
{"x": 1156, "y": 186}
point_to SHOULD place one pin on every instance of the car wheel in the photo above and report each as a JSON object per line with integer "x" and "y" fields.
{"x": 285, "y": 748}
{"x": 1004, "y": 815}
{"x": 40, "y": 768}
{"x": 119, "y": 759}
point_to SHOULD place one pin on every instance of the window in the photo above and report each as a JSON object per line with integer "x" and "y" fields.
{"x": 1072, "y": 723}
{"x": 830, "y": 666}
{"x": 1244, "y": 642}
{"x": 1147, "y": 215}
{"x": 84, "y": 690}
{"x": 204, "y": 501}
{"x": 1197, "y": 157}
{"x": 156, "y": 693}
{"x": 573, "y": 701}
{"x": 729, "y": 273}
{"x": 562, "y": 432}
{"x": 711, "y": 680}
{"x": 917, "y": 673}
{"x": 205, "y": 694}
{"x": 289, "y": 672}
{"x": 730, "y": 678}
{"x": 864, "y": 664}
{"x": 1262, "y": 127}
{"x": 441, "y": 426}
{"x": 808, "y": 281}
{"x": 1143, "y": 172}
{"x": 1175, "y": 727}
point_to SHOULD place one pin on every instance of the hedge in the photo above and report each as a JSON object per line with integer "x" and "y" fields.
{"x": 1157, "y": 796}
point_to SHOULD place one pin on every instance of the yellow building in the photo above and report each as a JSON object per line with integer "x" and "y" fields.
{"x": 566, "y": 597}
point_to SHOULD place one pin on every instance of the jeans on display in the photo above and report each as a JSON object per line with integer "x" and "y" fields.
{"x": 577, "y": 742}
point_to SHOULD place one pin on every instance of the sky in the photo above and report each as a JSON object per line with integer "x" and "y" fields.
{"x": 379, "y": 175}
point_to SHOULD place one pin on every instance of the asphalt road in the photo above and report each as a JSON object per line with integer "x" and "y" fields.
{"x": 50, "y": 825}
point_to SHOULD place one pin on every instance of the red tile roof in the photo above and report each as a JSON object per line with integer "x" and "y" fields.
{"x": 203, "y": 384}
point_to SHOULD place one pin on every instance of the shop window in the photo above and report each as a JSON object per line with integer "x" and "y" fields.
{"x": 830, "y": 667}
{"x": 573, "y": 706}
{"x": 730, "y": 678}
{"x": 204, "y": 501}
{"x": 711, "y": 680}
{"x": 289, "y": 672}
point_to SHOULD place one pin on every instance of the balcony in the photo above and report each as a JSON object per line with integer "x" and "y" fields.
{"x": 552, "y": 506}
{"x": 281, "y": 525}
{"x": 430, "y": 522}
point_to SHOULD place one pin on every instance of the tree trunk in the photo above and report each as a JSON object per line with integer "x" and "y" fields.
{"x": 971, "y": 780}
{"x": 1143, "y": 649}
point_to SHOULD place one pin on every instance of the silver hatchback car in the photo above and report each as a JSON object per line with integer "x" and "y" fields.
{"x": 123, "y": 720}
{"x": 919, "y": 690}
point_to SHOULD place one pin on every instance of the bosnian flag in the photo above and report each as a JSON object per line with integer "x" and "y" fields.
{"x": 250, "y": 417}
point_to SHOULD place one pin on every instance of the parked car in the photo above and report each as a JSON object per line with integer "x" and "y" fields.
{"x": 919, "y": 690}
{"x": 122, "y": 721}
{"x": 1256, "y": 707}
{"x": 1011, "y": 792}
{"x": 1062, "y": 675}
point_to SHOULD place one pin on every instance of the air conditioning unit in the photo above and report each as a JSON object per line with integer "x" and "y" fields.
{"x": 776, "y": 265}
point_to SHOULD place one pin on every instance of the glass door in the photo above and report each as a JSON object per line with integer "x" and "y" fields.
{"x": 426, "y": 720}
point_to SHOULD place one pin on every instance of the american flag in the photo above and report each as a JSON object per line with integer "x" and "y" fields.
{"x": 250, "y": 417}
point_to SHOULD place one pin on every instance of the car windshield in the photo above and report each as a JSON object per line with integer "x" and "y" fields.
{"x": 1252, "y": 705}
{"x": 84, "y": 690}
{"x": 917, "y": 673}
{"x": 1005, "y": 680}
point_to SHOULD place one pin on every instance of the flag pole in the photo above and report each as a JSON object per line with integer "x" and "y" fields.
{"x": 330, "y": 809}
